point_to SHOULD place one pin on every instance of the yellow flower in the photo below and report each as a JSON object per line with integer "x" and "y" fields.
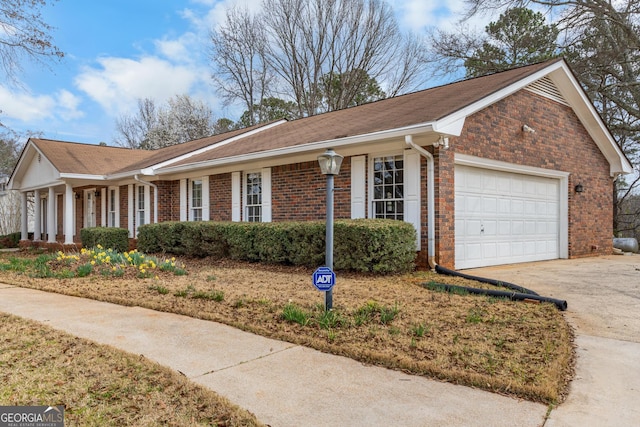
{"x": 93, "y": 263}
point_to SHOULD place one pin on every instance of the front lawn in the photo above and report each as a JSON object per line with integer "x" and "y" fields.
{"x": 514, "y": 348}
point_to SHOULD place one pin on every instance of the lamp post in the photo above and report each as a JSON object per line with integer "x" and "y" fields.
{"x": 330, "y": 163}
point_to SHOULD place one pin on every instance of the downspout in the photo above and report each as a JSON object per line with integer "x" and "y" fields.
{"x": 155, "y": 197}
{"x": 431, "y": 201}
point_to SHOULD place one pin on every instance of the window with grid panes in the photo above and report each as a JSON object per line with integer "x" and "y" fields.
{"x": 388, "y": 187}
{"x": 141, "y": 205}
{"x": 196, "y": 199}
{"x": 112, "y": 207}
{"x": 253, "y": 198}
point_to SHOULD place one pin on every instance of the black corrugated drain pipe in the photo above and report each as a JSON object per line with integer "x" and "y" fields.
{"x": 519, "y": 293}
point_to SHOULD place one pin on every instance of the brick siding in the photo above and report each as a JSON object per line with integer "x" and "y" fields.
{"x": 560, "y": 142}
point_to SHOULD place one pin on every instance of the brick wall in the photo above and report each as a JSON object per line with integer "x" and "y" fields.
{"x": 559, "y": 143}
{"x": 220, "y": 197}
{"x": 168, "y": 200}
{"x": 298, "y": 192}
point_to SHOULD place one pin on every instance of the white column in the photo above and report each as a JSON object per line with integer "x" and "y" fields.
{"x": 131, "y": 209}
{"x": 103, "y": 207}
{"x": 51, "y": 216}
{"x": 68, "y": 215}
{"x": 37, "y": 214}
{"x": 24, "y": 233}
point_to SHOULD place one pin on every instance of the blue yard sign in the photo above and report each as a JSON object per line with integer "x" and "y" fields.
{"x": 324, "y": 278}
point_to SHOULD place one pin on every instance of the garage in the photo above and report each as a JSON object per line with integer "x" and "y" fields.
{"x": 503, "y": 217}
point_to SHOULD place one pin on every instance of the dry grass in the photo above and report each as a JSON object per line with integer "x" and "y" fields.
{"x": 99, "y": 385}
{"x": 515, "y": 348}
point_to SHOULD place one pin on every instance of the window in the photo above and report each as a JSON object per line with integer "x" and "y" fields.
{"x": 196, "y": 200}
{"x": 141, "y": 206}
{"x": 388, "y": 187}
{"x": 111, "y": 207}
{"x": 253, "y": 198}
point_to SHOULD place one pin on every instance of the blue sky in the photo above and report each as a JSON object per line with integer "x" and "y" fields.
{"x": 118, "y": 51}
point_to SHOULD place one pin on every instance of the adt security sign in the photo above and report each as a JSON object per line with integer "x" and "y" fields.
{"x": 324, "y": 278}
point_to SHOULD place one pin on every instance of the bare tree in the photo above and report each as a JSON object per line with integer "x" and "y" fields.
{"x": 306, "y": 41}
{"x": 182, "y": 119}
{"x": 24, "y": 34}
{"x": 237, "y": 51}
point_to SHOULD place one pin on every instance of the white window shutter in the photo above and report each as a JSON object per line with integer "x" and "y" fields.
{"x": 358, "y": 190}
{"x": 147, "y": 204}
{"x": 183, "y": 199}
{"x": 412, "y": 191}
{"x": 117, "y": 196}
{"x": 266, "y": 195}
{"x": 235, "y": 196}
{"x": 205, "y": 199}
{"x": 130, "y": 190}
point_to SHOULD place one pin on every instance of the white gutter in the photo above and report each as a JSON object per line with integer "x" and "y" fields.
{"x": 431, "y": 201}
{"x": 297, "y": 149}
{"x": 155, "y": 196}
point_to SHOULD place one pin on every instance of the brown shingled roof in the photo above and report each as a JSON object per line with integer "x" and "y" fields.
{"x": 412, "y": 109}
{"x": 167, "y": 153}
{"x": 71, "y": 157}
{"x": 416, "y": 108}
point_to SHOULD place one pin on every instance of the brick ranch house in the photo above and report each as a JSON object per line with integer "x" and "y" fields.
{"x": 512, "y": 167}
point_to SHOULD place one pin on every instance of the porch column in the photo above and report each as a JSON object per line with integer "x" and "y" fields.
{"x": 103, "y": 207}
{"x": 69, "y": 215}
{"x": 24, "y": 218}
{"x": 37, "y": 214}
{"x": 51, "y": 216}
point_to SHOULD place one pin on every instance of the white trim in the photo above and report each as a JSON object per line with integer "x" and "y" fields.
{"x": 305, "y": 148}
{"x": 590, "y": 119}
{"x": 206, "y": 202}
{"x": 563, "y": 177}
{"x": 204, "y": 209}
{"x": 51, "y": 216}
{"x": 69, "y": 214}
{"x": 412, "y": 206}
{"x": 116, "y": 205}
{"x": 358, "y": 187}
{"x": 266, "y": 194}
{"x": 131, "y": 209}
{"x": 236, "y": 196}
{"x": 183, "y": 200}
{"x": 82, "y": 176}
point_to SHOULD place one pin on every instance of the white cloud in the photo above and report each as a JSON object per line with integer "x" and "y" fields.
{"x": 118, "y": 82}
{"x": 184, "y": 49}
{"x": 28, "y": 108}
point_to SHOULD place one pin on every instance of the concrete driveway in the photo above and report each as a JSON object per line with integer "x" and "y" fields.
{"x": 603, "y": 295}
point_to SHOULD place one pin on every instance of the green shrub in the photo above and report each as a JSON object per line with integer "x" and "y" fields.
{"x": 10, "y": 240}
{"x": 107, "y": 237}
{"x": 379, "y": 246}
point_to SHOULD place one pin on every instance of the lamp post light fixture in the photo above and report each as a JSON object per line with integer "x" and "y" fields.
{"x": 330, "y": 163}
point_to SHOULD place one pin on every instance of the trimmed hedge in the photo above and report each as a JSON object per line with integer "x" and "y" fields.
{"x": 107, "y": 237}
{"x": 366, "y": 245}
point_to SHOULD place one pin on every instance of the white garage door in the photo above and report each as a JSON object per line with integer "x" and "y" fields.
{"x": 505, "y": 218}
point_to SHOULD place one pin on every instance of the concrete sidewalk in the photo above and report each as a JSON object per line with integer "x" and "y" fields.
{"x": 281, "y": 383}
